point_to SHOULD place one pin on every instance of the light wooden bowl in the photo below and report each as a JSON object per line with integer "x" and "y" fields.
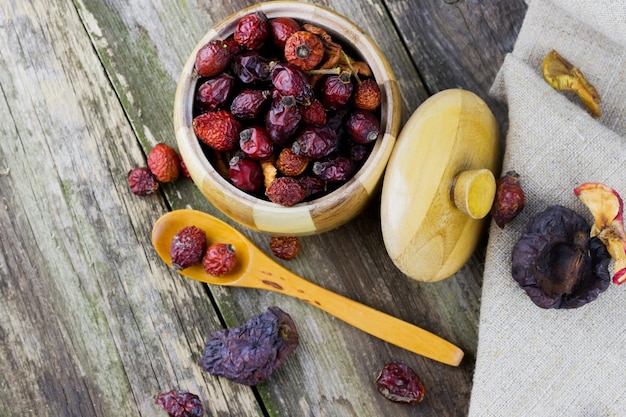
{"x": 330, "y": 210}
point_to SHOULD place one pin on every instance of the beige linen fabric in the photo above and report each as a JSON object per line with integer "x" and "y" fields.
{"x": 530, "y": 361}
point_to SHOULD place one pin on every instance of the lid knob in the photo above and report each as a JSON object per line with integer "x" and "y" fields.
{"x": 473, "y": 192}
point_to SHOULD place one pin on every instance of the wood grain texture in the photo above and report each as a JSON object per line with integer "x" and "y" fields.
{"x": 92, "y": 322}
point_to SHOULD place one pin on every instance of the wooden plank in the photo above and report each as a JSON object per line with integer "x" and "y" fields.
{"x": 90, "y": 322}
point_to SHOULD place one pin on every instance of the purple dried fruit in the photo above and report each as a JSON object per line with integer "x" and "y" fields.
{"x": 250, "y": 353}
{"x": 399, "y": 383}
{"x": 334, "y": 169}
{"x": 315, "y": 142}
{"x": 180, "y": 404}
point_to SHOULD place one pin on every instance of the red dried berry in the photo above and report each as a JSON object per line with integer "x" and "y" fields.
{"x": 255, "y": 142}
{"x": 248, "y": 104}
{"x": 362, "y": 127}
{"x": 286, "y": 191}
{"x": 334, "y": 169}
{"x": 312, "y": 184}
{"x": 181, "y": 404}
{"x": 245, "y": 174}
{"x": 252, "y": 31}
{"x": 142, "y": 181}
{"x": 304, "y": 49}
{"x": 213, "y": 58}
{"x": 336, "y": 90}
{"x": 313, "y": 114}
{"x": 285, "y": 247}
{"x": 315, "y": 142}
{"x": 217, "y": 129}
{"x": 399, "y": 383}
{"x": 289, "y": 80}
{"x": 509, "y": 200}
{"x": 291, "y": 164}
{"x": 164, "y": 163}
{"x": 283, "y": 119}
{"x": 281, "y": 29}
{"x": 213, "y": 93}
{"x": 219, "y": 259}
{"x": 250, "y": 67}
{"x": 187, "y": 247}
{"x": 367, "y": 95}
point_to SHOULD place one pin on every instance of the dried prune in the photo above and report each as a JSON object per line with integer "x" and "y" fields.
{"x": 249, "y": 354}
{"x": 556, "y": 261}
{"x": 180, "y": 404}
{"x": 399, "y": 383}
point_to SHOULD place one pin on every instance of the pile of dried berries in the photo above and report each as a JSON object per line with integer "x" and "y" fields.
{"x": 282, "y": 110}
{"x": 164, "y": 165}
{"x": 189, "y": 248}
{"x": 399, "y": 383}
{"x": 180, "y": 404}
{"x": 249, "y": 354}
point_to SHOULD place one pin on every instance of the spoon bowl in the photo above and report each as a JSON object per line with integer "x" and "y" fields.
{"x": 255, "y": 269}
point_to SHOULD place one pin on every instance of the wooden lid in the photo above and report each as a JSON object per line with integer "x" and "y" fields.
{"x": 439, "y": 185}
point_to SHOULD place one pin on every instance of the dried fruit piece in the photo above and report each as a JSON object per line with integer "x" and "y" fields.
{"x": 556, "y": 261}
{"x": 250, "y": 67}
{"x": 607, "y": 209}
{"x": 336, "y": 90}
{"x": 289, "y": 80}
{"x": 313, "y": 114}
{"x": 315, "y": 142}
{"x": 563, "y": 76}
{"x": 362, "y": 126}
{"x": 367, "y": 95}
{"x": 249, "y": 354}
{"x": 245, "y": 174}
{"x": 255, "y": 142}
{"x": 285, "y": 247}
{"x": 312, "y": 184}
{"x": 291, "y": 164}
{"x": 399, "y": 383}
{"x": 286, "y": 191}
{"x": 180, "y": 404}
{"x": 509, "y": 200}
{"x": 142, "y": 181}
{"x": 187, "y": 247}
{"x": 281, "y": 29}
{"x": 248, "y": 104}
{"x": 252, "y": 31}
{"x": 335, "y": 169}
{"x": 164, "y": 163}
{"x": 219, "y": 259}
{"x": 218, "y": 129}
{"x": 304, "y": 49}
{"x": 283, "y": 119}
{"x": 213, "y": 93}
{"x": 213, "y": 58}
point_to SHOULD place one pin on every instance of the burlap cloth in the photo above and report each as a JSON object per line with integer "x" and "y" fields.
{"x": 530, "y": 361}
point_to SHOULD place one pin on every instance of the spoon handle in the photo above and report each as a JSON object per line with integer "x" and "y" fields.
{"x": 367, "y": 319}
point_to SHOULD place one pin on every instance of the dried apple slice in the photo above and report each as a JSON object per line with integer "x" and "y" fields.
{"x": 607, "y": 209}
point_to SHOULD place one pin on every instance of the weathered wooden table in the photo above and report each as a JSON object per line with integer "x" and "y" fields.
{"x": 92, "y": 323}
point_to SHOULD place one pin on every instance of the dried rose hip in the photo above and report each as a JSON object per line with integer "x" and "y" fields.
{"x": 219, "y": 259}
{"x": 290, "y": 80}
{"x": 509, "y": 200}
{"x": 291, "y": 164}
{"x": 187, "y": 247}
{"x": 250, "y": 67}
{"x": 334, "y": 169}
{"x": 164, "y": 163}
{"x": 249, "y": 354}
{"x": 248, "y": 104}
{"x": 285, "y": 247}
{"x": 213, "y": 58}
{"x": 336, "y": 90}
{"x": 218, "y": 129}
{"x": 286, "y": 191}
{"x": 142, "y": 181}
{"x": 312, "y": 184}
{"x": 367, "y": 95}
{"x": 252, "y": 31}
{"x": 180, "y": 404}
{"x": 315, "y": 142}
{"x": 281, "y": 29}
{"x": 213, "y": 93}
{"x": 255, "y": 142}
{"x": 313, "y": 114}
{"x": 362, "y": 126}
{"x": 283, "y": 119}
{"x": 245, "y": 174}
{"x": 399, "y": 383}
{"x": 304, "y": 49}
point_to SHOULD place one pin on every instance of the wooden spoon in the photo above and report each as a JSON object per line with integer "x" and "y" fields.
{"x": 256, "y": 270}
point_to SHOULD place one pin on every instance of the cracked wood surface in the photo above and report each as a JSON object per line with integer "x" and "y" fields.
{"x": 92, "y": 323}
